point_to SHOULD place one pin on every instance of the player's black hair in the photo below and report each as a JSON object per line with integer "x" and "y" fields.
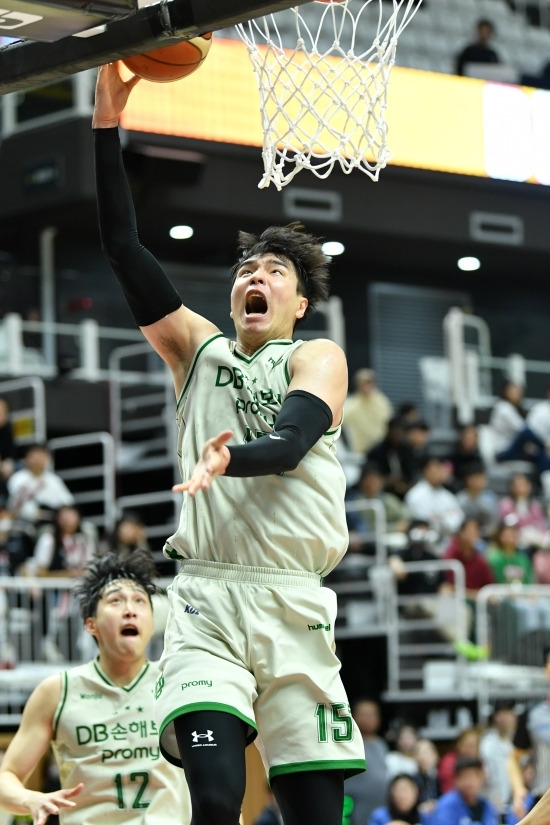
{"x": 137, "y": 566}
{"x": 300, "y": 248}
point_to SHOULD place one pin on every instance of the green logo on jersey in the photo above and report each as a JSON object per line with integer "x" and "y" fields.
{"x": 159, "y": 686}
{"x": 141, "y": 752}
{"x": 197, "y": 683}
{"x": 274, "y": 362}
{"x": 320, "y": 626}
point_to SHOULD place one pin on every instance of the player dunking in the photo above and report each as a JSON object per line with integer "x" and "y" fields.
{"x": 249, "y": 642}
{"x": 99, "y": 717}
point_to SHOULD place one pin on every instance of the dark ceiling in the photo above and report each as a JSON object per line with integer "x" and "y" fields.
{"x": 409, "y": 225}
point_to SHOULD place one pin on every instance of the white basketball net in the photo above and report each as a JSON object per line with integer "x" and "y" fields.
{"x": 323, "y": 93}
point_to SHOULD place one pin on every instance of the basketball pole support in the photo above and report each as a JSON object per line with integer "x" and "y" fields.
{"x": 26, "y": 64}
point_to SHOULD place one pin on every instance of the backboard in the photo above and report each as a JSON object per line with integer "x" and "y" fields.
{"x": 29, "y": 63}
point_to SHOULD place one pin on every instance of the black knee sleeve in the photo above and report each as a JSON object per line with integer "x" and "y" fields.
{"x": 212, "y": 746}
{"x": 310, "y": 796}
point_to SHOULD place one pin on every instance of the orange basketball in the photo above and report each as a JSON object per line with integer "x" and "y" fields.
{"x": 171, "y": 62}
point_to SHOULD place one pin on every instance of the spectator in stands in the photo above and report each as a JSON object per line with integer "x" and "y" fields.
{"x": 541, "y": 563}
{"x": 431, "y": 501}
{"x": 366, "y": 413}
{"x": 477, "y": 500}
{"x": 362, "y": 522}
{"x": 408, "y": 411}
{"x": 527, "y": 769}
{"x": 402, "y": 758}
{"x": 510, "y": 565}
{"x": 464, "y": 547}
{"x": 62, "y": 551}
{"x": 538, "y": 81}
{"x": 495, "y": 750}
{"x": 130, "y": 533}
{"x": 35, "y": 493}
{"x": 466, "y": 746}
{"x": 66, "y": 548}
{"x": 368, "y": 790}
{"x": 416, "y": 437}
{"x": 421, "y": 539}
{"x": 402, "y": 804}
{"x": 390, "y": 455}
{"x": 526, "y": 510}
{"x": 479, "y": 51}
{"x": 532, "y": 737}
{"x": 532, "y": 440}
{"x": 435, "y": 595}
{"x": 466, "y": 803}
{"x": 465, "y": 452}
{"x": 507, "y": 416}
{"x": 7, "y": 447}
{"x": 427, "y": 779}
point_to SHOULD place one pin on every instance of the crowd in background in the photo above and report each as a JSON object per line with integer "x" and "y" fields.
{"x": 438, "y": 498}
{"x": 43, "y": 533}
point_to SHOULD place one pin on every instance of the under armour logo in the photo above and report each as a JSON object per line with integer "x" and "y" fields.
{"x": 208, "y": 736}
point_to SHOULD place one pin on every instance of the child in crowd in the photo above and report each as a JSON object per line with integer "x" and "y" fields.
{"x": 466, "y": 804}
{"x": 509, "y": 564}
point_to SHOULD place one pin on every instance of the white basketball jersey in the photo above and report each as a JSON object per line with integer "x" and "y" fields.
{"x": 295, "y": 520}
{"x": 105, "y": 736}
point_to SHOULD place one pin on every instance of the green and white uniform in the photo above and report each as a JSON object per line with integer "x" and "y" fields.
{"x": 105, "y": 737}
{"x": 250, "y": 626}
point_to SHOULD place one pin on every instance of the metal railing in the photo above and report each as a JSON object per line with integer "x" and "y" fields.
{"x": 88, "y": 336}
{"x": 98, "y": 478}
{"x": 441, "y": 614}
{"x": 513, "y": 624}
{"x": 472, "y": 366}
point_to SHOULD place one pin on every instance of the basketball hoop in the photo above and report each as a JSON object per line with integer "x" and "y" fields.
{"x": 323, "y": 70}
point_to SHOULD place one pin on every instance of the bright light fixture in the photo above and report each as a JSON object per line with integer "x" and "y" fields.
{"x": 468, "y": 263}
{"x": 181, "y": 233}
{"x": 333, "y": 248}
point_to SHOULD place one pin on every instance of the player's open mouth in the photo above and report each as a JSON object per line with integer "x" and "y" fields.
{"x": 255, "y": 304}
{"x": 129, "y": 631}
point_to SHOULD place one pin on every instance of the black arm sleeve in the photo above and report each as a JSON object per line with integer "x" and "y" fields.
{"x": 302, "y": 420}
{"x": 149, "y": 293}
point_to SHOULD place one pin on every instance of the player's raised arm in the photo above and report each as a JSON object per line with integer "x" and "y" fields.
{"x": 25, "y": 751}
{"x": 174, "y": 331}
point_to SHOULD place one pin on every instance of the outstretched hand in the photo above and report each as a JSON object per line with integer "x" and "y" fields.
{"x": 111, "y": 96}
{"x": 213, "y": 462}
{"x": 43, "y": 805}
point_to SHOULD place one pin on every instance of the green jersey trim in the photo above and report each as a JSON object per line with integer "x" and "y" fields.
{"x": 204, "y": 344}
{"x": 126, "y": 688}
{"x": 250, "y": 358}
{"x": 349, "y": 766}
{"x": 62, "y": 701}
